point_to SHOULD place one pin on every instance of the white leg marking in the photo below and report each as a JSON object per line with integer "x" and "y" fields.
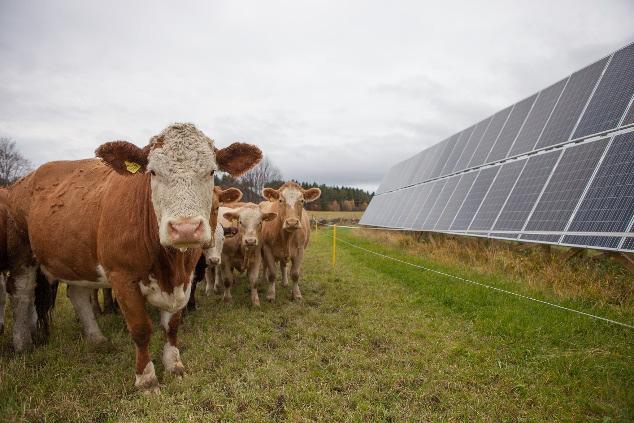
{"x": 147, "y": 381}
{"x": 80, "y": 298}
{"x": 23, "y": 302}
{"x": 172, "y": 360}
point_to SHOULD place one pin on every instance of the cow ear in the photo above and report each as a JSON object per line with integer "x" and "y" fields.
{"x": 123, "y": 156}
{"x": 311, "y": 194}
{"x": 270, "y": 194}
{"x": 231, "y": 216}
{"x": 230, "y": 195}
{"x": 238, "y": 158}
{"x": 268, "y": 216}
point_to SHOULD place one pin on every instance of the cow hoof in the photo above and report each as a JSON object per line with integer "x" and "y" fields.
{"x": 97, "y": 339}
{"x": 270, "y": 298}
{"x": 256, "y": 303}
{"x": 178, "y": 370}
{"x": 284, "y": 284}
{"x": 147, "y": 382}
{"x": 151, "y": 391}
{"x": 226, "y": 300}
{"x": 297, "y": 297}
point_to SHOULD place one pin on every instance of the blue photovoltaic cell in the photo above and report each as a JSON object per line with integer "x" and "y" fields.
{"x": 563, "y": 192}
{"x": 441, "y": 202}
{"x": 629, "y": 118}
{"x": 525, "y": 193}
{"x": 497, "y": 195}
{"x": 465, "y": 139}
{"x": 608, "y": 206}
{"x": 537, "y": 118}
{"x": 571, "y": 104}
{"x": 489, "y": 137}
{"x": 426, "y": 166}
{"x": 455, "y": 153}
{"x": 421, "y": 192}
{"x": 447, "y": 147}
{"x": 429, "y": 203}
{"x": 629, "y": 244}
{"x": 455, "y": 201}
{"x": 474, "y": 198}
{"x": 611, "y": 96}
{"x": 511, "y": 129}
{"x": 472, "y": 144}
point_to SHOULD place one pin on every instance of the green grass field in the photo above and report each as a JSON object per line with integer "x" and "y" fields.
{"x": 345, "y": 215}
{"x": 371, "y": 341}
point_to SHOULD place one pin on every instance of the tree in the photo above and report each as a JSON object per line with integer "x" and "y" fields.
{"x": 265, "y": 173}
{"x": 12, "y": 164}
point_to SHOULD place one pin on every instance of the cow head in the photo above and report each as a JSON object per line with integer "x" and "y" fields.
{"x": 291, "y": 198}
{"x": 214, "y": 253}
{"x": 181, "y": 161}
{"x": 249, "y": 219}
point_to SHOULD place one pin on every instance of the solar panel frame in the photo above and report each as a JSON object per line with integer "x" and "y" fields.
{"x": 441, "y": 202}
{"x": 490, "y": 136}
{"x": 511, "y": 129}
{"x": 609, "y": 102}
{"x": 455, "y": 201}
{"x": 473, "y": 143}
{"x": 474, "y": 198}
{"x": 572, "y": 102}
{"x": 438, "y": 185}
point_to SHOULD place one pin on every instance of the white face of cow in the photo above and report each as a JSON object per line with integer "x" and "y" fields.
{"x": 249, "y": 220}
{"x": 213, "y": 255}
{"x": 181, "y": 161}
{"x": 182, "y": 165}
{"x": 292, "y": 199}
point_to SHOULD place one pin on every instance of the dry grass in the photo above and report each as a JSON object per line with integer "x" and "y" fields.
{"x": 584, "y": 277}
{"x": 337, "y": 215}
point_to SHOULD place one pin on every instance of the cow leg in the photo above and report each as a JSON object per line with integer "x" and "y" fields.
{"x": 296, "y": 263}
{"x": 132, "y": 306}
{"x": 171, "y": 355}
{"x": 23, "y": 301}
{"x": 227, "y": 278}
{"x": 217, "y": 279}
{"x": 80, "y": 297}
{"x": 283, "y": 263}
{"x": 94, "y": 301}
{"x": 109, "y": 306}
{"x": 253, "y": 272}
{"x": 3, "y": 300}
{"x": 210, "y": 280}
{"x": 269, "y": 272}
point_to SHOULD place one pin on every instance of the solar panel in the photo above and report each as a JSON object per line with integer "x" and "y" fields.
{"x": 612, "y": 96}
{"x": 429, "y": 203}
{"x": 489, "y": 137}
{"x": 474, "y": 198}
{"x": 555, "y": 167}
{"x": 528, "y": 188}
{"x": 608, "y": 205}
{"x": 537, "y": 118}
{"x": 497, "y": 195}
{"x": 564, "y": 190}
{"x": 472, "y": 144}
{"x": 455, "y": 201}
{"x": 571, "y": 104}
{"x": 511, "y": 129}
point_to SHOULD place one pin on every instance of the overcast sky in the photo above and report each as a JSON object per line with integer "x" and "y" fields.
{"x": 334, "y": 92}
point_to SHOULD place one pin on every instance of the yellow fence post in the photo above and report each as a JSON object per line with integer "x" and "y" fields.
{"x": 334, "y": 245}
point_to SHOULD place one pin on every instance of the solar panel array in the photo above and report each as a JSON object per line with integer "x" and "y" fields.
{"x": 556, "y": 167}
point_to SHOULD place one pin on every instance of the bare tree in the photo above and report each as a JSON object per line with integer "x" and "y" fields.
{"x": 12, "y": 164}
{"x": 258, "y": 177}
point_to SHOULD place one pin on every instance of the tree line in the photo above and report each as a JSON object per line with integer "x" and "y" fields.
{"x": 333, "y": 198}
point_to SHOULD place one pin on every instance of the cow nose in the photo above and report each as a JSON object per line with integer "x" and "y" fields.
{"x": 251, "y": 241}
{"x": 292, "y": 223}
{"x": 213, "y": 261}
{"x": 187, "y": 231}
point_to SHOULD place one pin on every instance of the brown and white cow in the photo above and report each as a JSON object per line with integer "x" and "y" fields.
{"x": 242, "y": 252}
{"x": 286, "y": 237}
{"x": 206, "y": 266}
{"x": 136, "y": 220}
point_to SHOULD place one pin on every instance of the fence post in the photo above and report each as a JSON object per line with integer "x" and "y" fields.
{"x": 334, "y": 245}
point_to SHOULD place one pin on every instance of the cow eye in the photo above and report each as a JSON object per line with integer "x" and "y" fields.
{"x": 212, "y": 172}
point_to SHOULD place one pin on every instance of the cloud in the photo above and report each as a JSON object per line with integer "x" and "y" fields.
{"x": 333, "y": 92}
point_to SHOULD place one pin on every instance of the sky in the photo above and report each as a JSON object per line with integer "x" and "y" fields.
{"x": 331, "y": 91}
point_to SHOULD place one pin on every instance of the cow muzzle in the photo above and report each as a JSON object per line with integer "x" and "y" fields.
{"x": 213, "y": 261}
{"x": 250, "y": 242}
{"x": 186, "y": 232}
{"x": 291, "y": 224}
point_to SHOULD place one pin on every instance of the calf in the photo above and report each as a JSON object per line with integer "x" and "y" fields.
{"x": 136, "y": 220}
{"x": 286, "y": 237}
{"x": 242, "y": 252}
{"x": 211, "y": 256}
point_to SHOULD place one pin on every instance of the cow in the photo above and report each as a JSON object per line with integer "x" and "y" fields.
{"x": 286, "y": 237}
{"x": 211, "y": 256}
{"x": 134, "y": 219}
{"x": 242, "y": 252}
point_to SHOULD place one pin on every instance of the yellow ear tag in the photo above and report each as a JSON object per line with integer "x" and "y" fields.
{"x": 132, "y": 166}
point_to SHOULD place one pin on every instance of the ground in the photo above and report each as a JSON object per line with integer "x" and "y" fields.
{"x": 372, "y": 340}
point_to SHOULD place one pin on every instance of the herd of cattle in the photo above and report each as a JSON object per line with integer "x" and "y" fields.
{"x": 149, "y": 224}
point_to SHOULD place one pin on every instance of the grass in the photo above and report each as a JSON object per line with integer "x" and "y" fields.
{"x": 334, "y": 215}
{"x": 372, "y": 341}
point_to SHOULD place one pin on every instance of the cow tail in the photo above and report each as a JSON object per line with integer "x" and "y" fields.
{"x": 45, "y": 294}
